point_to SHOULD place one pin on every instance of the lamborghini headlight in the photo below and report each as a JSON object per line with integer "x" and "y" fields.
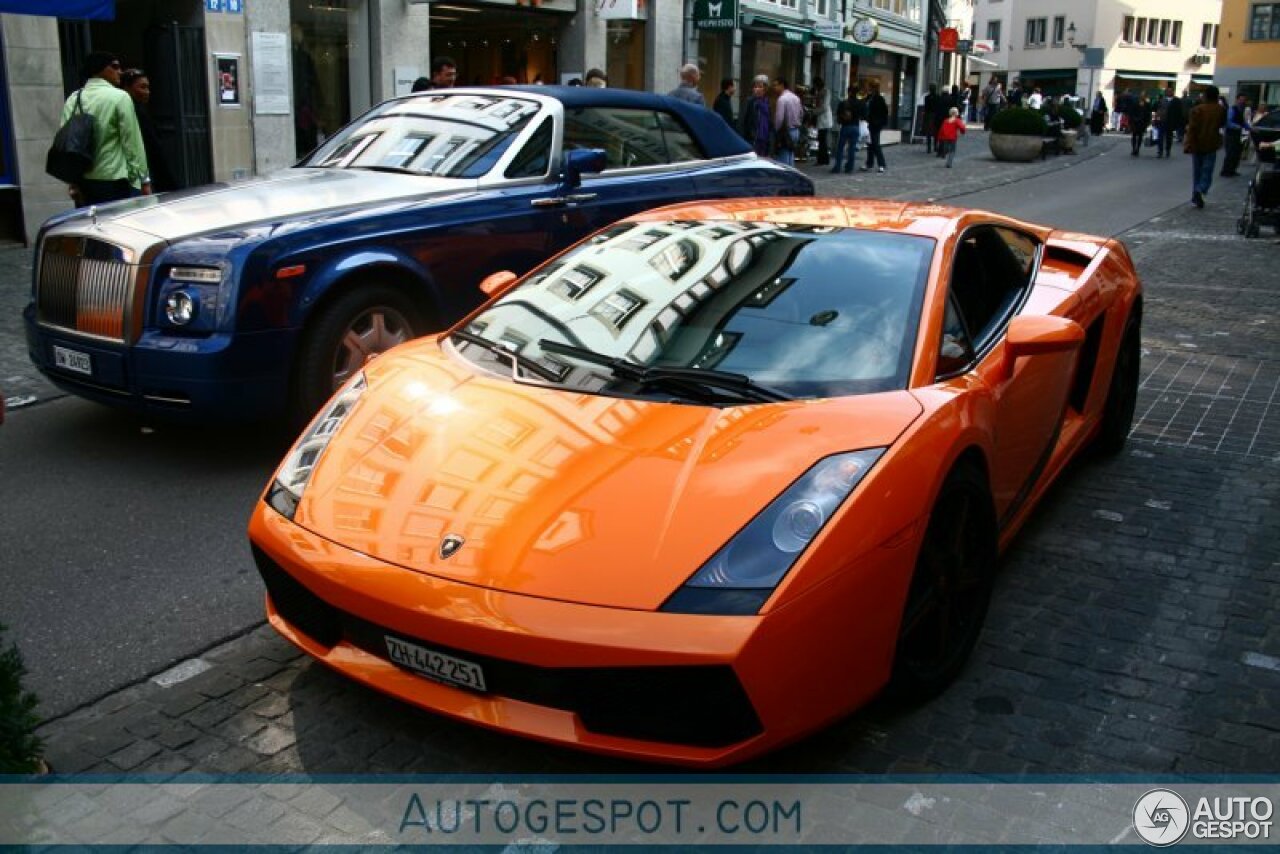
{"x": 744, "y": 572}
{"x": 294, "y": 475}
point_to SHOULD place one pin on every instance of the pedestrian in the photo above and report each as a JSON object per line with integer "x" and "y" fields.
{"x": 1098, "y": 114}
{"x": 994, "y": 102}
{"x": 822, "y": 119}
{"x": 848, "y": 117}
{"x": 949, "y": 134}
{"x": 119, "y": 157}
{"x": 1172, "y": 121}
{"x": 877, "y": 118}
{"x": 1036, "y": 101}
{"x": 724, "y": 101}
{"x": 929, "y": 117}
{"x": 788, "y": 115}
{"x": 136, "y": 82}
{"x": 1202, "y": 142}
{"x": 969, "y": 99}
{"x": 444, "y": 72}
{"x": 687, "y": 91}
{"x": 755, "y": 122}
{"x": 1139, "y": 120}
{"x": 1233, "y": 136}
{"x": 596, "y": 79}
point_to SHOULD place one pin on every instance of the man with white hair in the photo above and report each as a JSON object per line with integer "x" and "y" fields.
{"x": 688, "y": 88}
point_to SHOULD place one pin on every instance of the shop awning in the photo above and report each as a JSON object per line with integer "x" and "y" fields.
{"x": 1046, "y": 73}
{"x": 92, "y": 10}
{"x": 843, "y": 45}
{"x": 790, "y": 32}
{"x": 1148, "y": 75}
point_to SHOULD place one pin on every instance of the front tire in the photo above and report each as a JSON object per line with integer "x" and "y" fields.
{"x": 950, "y": 588}
{"x": 361, "y": 323}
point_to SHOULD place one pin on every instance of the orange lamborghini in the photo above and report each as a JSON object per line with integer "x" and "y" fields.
{"x": 708, "y": 480}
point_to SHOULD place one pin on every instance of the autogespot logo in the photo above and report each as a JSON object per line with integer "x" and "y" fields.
{"x": 1161, "y": 817}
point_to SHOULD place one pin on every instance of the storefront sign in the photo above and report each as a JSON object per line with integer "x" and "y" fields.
{"x": 621, "y": 10}
{"x": 270, "y": 57}
{"x": 226, "y": 76}
{"x": 984, "y": 46}
{"x": 829, "y": 30}
{"x": 715, "y": 14}
{"x": 964, "y": 47}
{"x": 947, "y": 39}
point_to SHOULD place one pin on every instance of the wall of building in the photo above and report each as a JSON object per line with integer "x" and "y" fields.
{"x": 1240, "y": 60}
{"x": 273, "y": 144}
{"x": 34, "y": 72}
{"x": 229, "y": 126}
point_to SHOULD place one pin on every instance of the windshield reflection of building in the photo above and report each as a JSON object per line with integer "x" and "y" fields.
{"x": 628, "y": 293}
{"x": 431, "y": 133}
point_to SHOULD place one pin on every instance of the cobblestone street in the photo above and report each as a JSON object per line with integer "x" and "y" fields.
{"x": 1135, "y": 627}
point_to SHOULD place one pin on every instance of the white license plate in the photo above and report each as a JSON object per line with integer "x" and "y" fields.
{"x": 436, "y": 665}
{"x": 72, "y": 360}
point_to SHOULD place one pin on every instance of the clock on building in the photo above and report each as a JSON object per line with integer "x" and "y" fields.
{"x": 865, "y": 30}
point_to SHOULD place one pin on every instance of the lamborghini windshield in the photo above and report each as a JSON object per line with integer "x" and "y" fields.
{"x": 452, "y": 136}
{"x": 762, "y": 311}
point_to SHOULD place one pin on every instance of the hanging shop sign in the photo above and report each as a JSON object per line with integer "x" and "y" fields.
{"x": 621, "y": 10}
{"x": 947, "y": 39}
{"x": 715, "y": 14}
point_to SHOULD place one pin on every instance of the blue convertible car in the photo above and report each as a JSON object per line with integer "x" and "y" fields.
{"x": 258, "y": 299}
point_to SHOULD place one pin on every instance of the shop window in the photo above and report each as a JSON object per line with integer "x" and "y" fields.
{"x": 630, "y": 138}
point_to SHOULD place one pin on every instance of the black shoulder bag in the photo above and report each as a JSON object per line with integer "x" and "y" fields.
{"x": 72, "y": 152}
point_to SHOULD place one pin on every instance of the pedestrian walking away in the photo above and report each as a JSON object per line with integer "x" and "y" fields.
{"x": 788, "y": 113}
{"x": 848, "y": 117}
{"x": 877, "y": 118}
{"x": 687, "y": 91}
{"x": 119, "y": 161}
{"x": 929, "y": 118}
{"x": 1173, "y": 121}
{"x": 949, "y": 134}
{"x": 1139, "y": 120}
{"x": 822, "y": 119}
{"x": 1202, "y": 142}
{"x": 1233, "y": 134}
{"x": 1098, "y": 115}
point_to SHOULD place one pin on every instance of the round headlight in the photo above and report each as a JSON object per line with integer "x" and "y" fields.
{"x": 179, "y": 308}
{"x": 799, "y": 523}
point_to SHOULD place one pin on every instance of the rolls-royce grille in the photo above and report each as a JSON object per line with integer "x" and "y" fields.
{"x": 85, "y": 286}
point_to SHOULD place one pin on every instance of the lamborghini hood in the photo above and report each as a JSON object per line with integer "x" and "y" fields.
{"x": 559, "y": 494}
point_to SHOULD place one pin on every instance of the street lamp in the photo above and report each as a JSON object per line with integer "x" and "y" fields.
{"x": 1082, "y": 47}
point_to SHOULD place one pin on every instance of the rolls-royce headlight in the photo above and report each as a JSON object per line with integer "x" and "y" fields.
{"x": 744, "y": 572}
{"x": 180, "y": 308}
{"x": 295, "y": 473}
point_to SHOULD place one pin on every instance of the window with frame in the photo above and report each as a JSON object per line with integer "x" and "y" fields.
{"x": 1209, "y": 36}
{"x": 1175, "y": 37}
{"x": 1127, "y": 31}
{"x": 1264, "y": 22}
{"x": 1059, "y": 30}
{"x": 535, "y": 157}
{"x": 989, "y": 278}
{"x": 993, "y": 34}
{"x": 1036, "y": 31}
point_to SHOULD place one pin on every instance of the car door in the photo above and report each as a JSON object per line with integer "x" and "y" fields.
{"x": 991, "y": 281}
{"x": 647, "y": 157}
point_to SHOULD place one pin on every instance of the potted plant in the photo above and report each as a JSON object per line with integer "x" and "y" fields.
{"x": 1017, "y": 134}
{"x": 19, "y": 746}
{"x": 1071, "y": 122}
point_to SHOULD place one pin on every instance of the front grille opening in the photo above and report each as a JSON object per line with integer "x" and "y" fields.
{"x": 694, "y": 705}
{"x": 85, "y": 286}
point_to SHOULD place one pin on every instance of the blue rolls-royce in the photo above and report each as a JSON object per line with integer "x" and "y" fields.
{"x": 257, "y": 299}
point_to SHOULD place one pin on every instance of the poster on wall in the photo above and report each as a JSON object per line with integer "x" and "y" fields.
{"x": 226, "y": 76}
{"x": 270, "y": 67}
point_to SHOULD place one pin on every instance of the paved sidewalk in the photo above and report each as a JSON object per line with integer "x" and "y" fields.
{"x": 1135, "y": 627}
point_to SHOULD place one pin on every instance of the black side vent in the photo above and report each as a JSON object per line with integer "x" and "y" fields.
{"x": 297, "y": 604}
{"x": 1063, "y": 255}
{"x": 1088, "y": 363}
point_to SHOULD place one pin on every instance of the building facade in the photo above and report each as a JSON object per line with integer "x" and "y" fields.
{"x": 1247, "y": 47}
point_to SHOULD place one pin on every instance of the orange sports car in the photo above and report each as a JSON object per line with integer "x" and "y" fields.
{"x": 708, "y": 480}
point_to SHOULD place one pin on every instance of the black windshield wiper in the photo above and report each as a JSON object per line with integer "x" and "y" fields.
{"x": 625, "y": 369}
{"x": 502, "y": 352}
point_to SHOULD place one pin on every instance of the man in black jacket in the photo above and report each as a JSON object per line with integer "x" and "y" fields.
{"x": 877, "y": 118}
{"x": 724, "y": 101}
{"x": 1172, "y": 121}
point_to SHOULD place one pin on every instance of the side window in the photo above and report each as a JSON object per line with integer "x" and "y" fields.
{"x": 535, "y": 157}
{"x": 991, "y": 273}
{"x": 630, "y": 138}
{"x": 681, "y": 147}
{"x": 956, "y": 350}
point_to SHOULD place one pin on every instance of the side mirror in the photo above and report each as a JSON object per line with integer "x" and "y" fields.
{"x": 497, "y": 283}
{"x": 582, "y": 161}
{"x": 1038, "y": 335}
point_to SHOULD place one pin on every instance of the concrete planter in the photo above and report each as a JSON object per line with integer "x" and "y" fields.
{"x": 1069, "y": 141}
{"x": 1020, "y": 149}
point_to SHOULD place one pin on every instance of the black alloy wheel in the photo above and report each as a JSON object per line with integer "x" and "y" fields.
{"x": 950, "y": 589}
{"x": 1122, "y": 395}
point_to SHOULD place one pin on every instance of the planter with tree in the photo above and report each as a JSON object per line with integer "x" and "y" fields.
{"x": 1017, "y": 134}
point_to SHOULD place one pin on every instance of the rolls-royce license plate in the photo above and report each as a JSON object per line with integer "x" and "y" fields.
{"x": 436, "y": 665}
{"x": 72, "y": 360}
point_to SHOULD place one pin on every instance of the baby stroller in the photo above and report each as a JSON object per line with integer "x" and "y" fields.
{"x": 1262, "y": 199}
